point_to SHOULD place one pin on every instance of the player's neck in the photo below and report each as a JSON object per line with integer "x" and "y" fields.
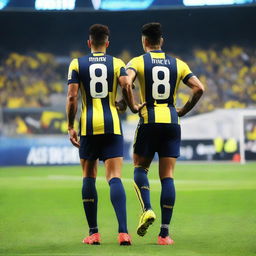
{"x": 99, "y": 49}
{"x": 150, "y": 49}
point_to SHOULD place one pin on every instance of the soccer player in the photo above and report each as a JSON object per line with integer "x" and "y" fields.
{"x": 96, "y": 76}
{"x": 158, "y": 131}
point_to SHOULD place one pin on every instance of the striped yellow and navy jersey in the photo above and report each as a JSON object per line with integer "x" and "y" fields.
{"x": 97, "y": 75}
{"x": 159, "y": 76}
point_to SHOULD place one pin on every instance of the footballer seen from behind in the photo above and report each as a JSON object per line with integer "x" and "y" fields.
{"x": 97, "y": 76}
{"x": 158, "y": 130}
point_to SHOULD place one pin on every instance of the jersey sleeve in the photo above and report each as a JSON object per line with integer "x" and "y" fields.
{"x": 73, "y": 72}
{"x": 184, "y": 71}
{"x": 119, "y": 67}
{"x": 133, "y": 65}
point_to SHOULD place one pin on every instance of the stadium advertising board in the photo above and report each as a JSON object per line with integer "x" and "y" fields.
{"x": 58, "y": 151}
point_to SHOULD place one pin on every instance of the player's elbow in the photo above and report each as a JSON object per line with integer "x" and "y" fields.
{"x": 72, "y": 98}
{"x": 199, "y": 90}
{"x": 126, "y": 87}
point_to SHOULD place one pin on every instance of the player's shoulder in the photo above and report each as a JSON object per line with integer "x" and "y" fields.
{"x": 118, "y": 61}
{"x": 181, "y": 62}
{"x": 77, "y": 60}
{"x": 74, "y": 60}
{"x": 74, "y": 64}
{"x": 135, "y": 61}
{"x": 141, "y": 56}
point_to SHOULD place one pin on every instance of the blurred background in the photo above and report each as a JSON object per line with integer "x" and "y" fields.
{"x": 38, "y": 39}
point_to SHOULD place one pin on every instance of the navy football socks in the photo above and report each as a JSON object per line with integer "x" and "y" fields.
{"x": 118, "y": 199}
{"x": 90, "y": 201}
{"x": 142, "y": 187}
{"x": 167, "y": 203}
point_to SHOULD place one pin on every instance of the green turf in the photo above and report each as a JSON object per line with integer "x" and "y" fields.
{"x": 215, "y": 213}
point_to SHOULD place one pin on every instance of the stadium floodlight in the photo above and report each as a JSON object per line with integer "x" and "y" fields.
{"x": 115, "y": 5}
{"x": 215, "y": 2}
{"x": 3, "y": 3}
{"x": 55, "y": 4}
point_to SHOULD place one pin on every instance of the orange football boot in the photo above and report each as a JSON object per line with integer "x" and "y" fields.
{"x": 164, "y": 240}
{"x": 124, "y": 239}
{"x": 92, "y": 239}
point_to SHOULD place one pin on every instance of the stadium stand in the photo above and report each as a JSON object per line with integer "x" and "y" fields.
{"x": 37, "y": 80}
{"x": 27, "y": 80}
{"x": 229, "y": 74}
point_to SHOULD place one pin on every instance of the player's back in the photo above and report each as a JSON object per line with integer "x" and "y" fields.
{"x": 159, "y": 75}
{"x": 97, "y": 75}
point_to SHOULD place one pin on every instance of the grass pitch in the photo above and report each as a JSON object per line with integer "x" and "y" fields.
{"x": 215, "y": 213}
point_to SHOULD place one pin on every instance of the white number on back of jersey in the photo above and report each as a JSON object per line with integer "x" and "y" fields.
{"x": 157, "y": 82}
{"x": 98, "y": 79}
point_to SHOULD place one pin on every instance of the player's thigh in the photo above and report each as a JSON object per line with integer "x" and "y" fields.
{"x": 88, "y": 152}
{"x": 89, "y": 147}
{"x": 166, "y": 167}
{"x": 113, "y": 167}
{"x": 112, "y": 146}
{"x": 169, "y": 141}
{"x": 89, "y": 168}
{"x": 144, "y": 145}
{"x": 112, "y": 155}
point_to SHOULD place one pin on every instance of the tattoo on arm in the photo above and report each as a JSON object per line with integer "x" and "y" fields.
{"x": 71, "y": 106}
{"x": 71, "y": 114}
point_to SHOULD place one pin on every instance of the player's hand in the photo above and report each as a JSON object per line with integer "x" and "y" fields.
{"x": 137, "y": 107}
{"x": 73, "y": 137}
{"x": 121, "y": 106}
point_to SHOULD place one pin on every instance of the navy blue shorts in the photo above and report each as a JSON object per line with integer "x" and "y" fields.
{"x": 103, "y": 146}
{"x": 161, "y": 138}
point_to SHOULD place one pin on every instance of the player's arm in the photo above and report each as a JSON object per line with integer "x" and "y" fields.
{"x": 72, "y": 100}
{"x": 119, "y": 65}
{"x": 126, "y": 83}
{"x": 197, "y": 91}
{"x": 71, "y": 110}
{"x": 121, "y": 105}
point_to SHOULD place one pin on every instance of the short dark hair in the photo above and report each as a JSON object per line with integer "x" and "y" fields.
{"x": 99, "y": 34}
{"x": 153, "y": 32}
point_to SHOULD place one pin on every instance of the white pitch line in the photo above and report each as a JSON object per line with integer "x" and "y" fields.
{"x": 218, "y": 184}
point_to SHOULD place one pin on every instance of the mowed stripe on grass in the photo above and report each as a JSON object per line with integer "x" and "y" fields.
{"x": 181, "y": 185}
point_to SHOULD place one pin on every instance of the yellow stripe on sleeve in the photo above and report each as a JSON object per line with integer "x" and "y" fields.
{"x": 73, "y": 66}
{"x": 180, "y": 74}
{"x": 140, "y": 74}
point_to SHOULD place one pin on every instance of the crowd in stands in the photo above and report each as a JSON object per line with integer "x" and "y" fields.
{"x": 29, "y": 80}
{"x": 228, "y": 73}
